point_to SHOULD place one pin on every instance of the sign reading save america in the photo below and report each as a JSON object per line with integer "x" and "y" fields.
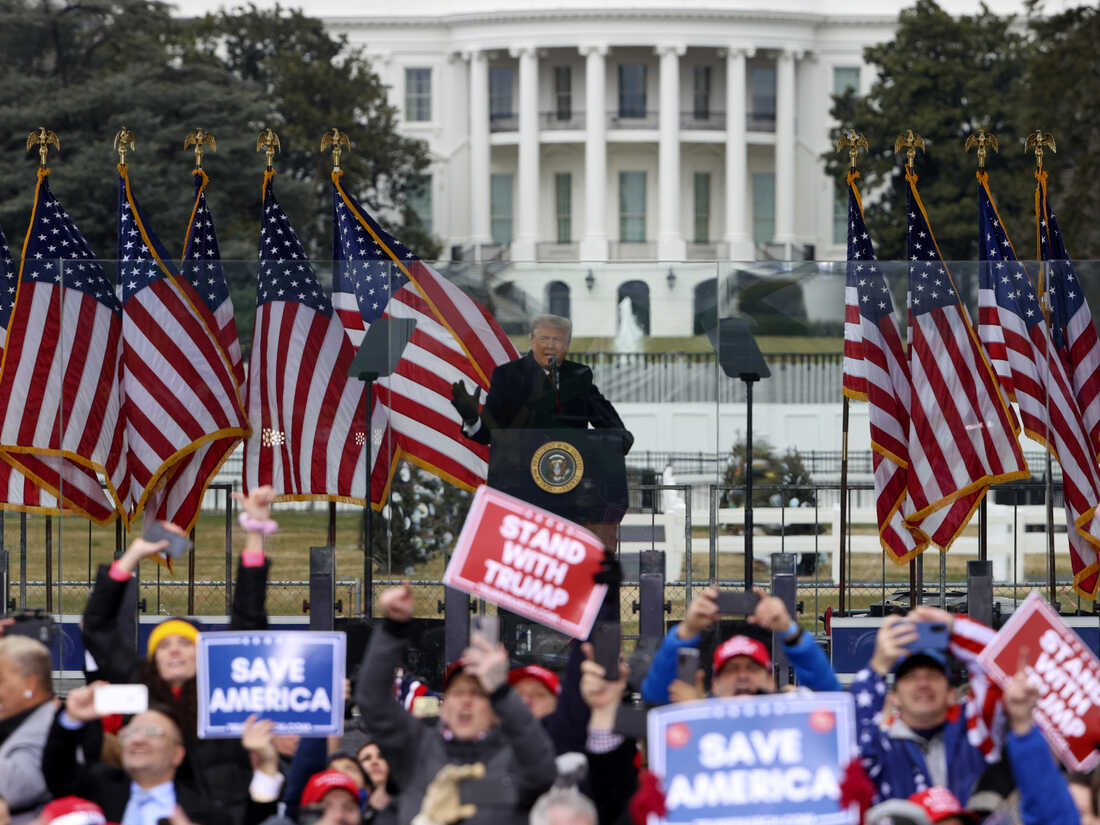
{"x": 755, "y": 760}
{"x": 530, "y": 561}
{"x": 1062, "y": 668}
{"x": 295, "y": 678}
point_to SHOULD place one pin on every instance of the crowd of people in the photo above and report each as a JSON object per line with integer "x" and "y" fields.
{"x": 497, "y": 743}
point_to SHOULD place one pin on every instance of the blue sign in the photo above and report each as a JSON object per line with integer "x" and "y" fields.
{"x": 294, "y": 678}
{"x": 755, "y": 761}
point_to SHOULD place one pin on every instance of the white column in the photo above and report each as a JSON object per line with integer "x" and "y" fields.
{"x": 670, "y": 243}
{"x": 527, "y": 181}
{"x": 479, "y": 149}
{"x": 594, "y": 240}
{"x": 739, "y": 241}
{"x": 784, "y": 150}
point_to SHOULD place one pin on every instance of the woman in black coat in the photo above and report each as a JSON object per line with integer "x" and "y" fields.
{"x": 219, "y": 768}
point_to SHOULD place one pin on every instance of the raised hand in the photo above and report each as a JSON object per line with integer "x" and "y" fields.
{"x": 465, "y": 404}
{"x": 488, "y": 662}
{"x": 397, "y": 603}
{"x": 890, "y": 643}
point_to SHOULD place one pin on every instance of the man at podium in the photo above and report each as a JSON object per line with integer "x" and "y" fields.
{"x": 540, "y": 390}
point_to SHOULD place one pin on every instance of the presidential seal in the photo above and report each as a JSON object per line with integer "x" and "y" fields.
{"x": 557, "y": 467}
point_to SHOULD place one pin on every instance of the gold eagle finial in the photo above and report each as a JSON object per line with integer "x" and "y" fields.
{"x": 338, "y": 141}
{"x": 124, "y": 142}
{"x": 1035, "y": 142}
{"x": 43, "y": 138}
{"x": 200, "y": 138}
{"x": 268, "y": 143}
{"x": 911, "y": 143}
{"x": 983, "y": 142}
{"x": 853, "y": 141}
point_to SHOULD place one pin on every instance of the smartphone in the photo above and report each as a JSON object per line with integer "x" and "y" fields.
{"x": 737, "y": 602}
{"x": 122, "y": 699}
{"x": 177, "y": 545}
{"x": 606, "y": 641}
{"x": 687, "y": 663}
{"x": 930, "y": 636}
{"x": 485, "y": 627}
{"x": 425, "y": 706}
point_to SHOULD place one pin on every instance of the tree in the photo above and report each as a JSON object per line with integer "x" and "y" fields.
{"x": 313, "y": 82}
{"x": 943, "y": 77}
{"x": 1065, "y": 46}
{"x": 420, "y": 520}
{"x": 776, "y": 482}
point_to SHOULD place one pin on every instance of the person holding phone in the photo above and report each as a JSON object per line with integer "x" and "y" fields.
{"x": 937, "y": 742}
{"x": 481, "y": 719}
{"x": 220, "y": 767}
{"x": 742, "y": 665}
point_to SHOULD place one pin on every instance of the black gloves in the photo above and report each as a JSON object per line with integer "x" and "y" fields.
{"x": 464, "y": 403}
{"x": 610, "y": 572}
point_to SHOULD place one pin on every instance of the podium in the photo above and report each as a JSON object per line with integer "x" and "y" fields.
{"x": 577, "y": 474}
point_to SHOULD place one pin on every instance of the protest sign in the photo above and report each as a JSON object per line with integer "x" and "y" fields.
{"x": 530, "y": 561}
{"x": 756, "y": 760}
{"x": 1062, "y": 668}
{"x": 294, "y": 678}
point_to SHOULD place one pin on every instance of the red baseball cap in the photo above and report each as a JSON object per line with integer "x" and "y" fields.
{"x": 742, "y": 646}
{"x": 939, "y": 803}
{"x": 544, "y": 676}
{"x": 321, "y": 783}
{"x": 73, "y": 810}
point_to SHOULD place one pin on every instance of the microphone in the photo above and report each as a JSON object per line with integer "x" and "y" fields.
{"x": 554, "y": 373}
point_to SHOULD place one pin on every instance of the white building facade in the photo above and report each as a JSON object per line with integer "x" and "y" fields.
{"x": 572, "y": 137}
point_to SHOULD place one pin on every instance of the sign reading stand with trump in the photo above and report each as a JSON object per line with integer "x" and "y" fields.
{"x": 755, "y": 761}
{"x": 530, "y": 561}
{"x": 293, "y": 677}
{"x": 1064, "y": 671}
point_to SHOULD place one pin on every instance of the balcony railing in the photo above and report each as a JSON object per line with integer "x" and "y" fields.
{"x": 552, "y": 251}
{"x": 572, "y": 119}
{"x": 616, "y": 119}
{"x": 760, "y": 121}
{"x": 503, "y": 122}
{"x": 710, "y": 119}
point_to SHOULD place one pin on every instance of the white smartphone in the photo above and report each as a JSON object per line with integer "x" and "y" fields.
{"x": 123, "y": 699}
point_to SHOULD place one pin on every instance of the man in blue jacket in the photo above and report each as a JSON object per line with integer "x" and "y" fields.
{"x": 936, "y": 742}
{"x": 742, "y": 665}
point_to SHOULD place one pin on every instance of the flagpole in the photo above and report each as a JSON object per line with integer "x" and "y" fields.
{"x": 852, "y": 142}
{"x": 1035, "y": 142}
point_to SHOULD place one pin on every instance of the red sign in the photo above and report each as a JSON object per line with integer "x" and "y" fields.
{"x": 530, "y": 561}
{"x": 1065, "y": 671}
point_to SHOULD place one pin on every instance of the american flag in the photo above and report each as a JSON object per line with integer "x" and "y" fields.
{"x": 1071, "y": 322}
{"x": 308, "y": 439}
{"x": 875, "y": 370}
{"x": 61, "y": 423}
{"x": 206, "y": 289}
{"x": 202, "y": 267}
{"x": 17, "y": 492}
{"x": 180, "y": 391}
{"x": 961, "y": 435}
{"x": 1014, "y": 332}
{"x": 456, "y": 339}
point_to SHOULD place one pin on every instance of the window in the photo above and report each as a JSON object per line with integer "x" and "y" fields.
{"x": 500, "y": 208}
{"x": 563, "y": 196}
{"x": 763, "y": 208}
{"x": 557, "y": 298}
{"x": 701, "y": 98}
{"x": 702, "y": 207}
{"x": 501, "y": 81}
{"x": 418, "y": 94}
{"x": 840, "y": 216}
{"x": 563, "y": 92}
{"x": 420, "y": 200}
{"x": 632, "y": 207}
{"x": 845, "y": 78}
{"x": 762, "y": 91}
{"x": 632, "y": 90}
